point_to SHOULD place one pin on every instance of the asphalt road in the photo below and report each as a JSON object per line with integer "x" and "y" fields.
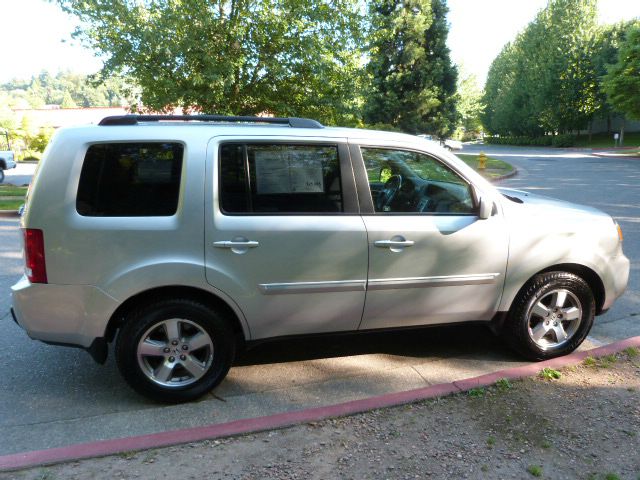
{"x": 55, "y": 396}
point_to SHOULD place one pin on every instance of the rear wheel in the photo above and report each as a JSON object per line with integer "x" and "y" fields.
{"x": 1, "y": 175}
{"x": 175, "y": 350}
{"x": 551, "y": 316}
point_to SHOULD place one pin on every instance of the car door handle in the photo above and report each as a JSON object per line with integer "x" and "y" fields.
{"x": 236, "y": 244}
{"x": 393, "y": 243}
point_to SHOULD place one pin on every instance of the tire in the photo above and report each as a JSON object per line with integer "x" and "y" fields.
{"x": 1, "y": 175}
{"x": 551, "y": 316}
{"x": 175, "y": 350}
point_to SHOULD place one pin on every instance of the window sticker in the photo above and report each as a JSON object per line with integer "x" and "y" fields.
{"x": 289, "y": 171}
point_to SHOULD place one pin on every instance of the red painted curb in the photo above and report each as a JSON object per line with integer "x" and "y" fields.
{"x": 188, "y": 435}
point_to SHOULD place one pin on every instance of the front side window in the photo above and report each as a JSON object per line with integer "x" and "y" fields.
{"x": 130, "y": 180}
{"x": 403, "y": 181}
{"x": 278, "y": 178}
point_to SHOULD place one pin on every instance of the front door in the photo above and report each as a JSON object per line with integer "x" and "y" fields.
{"x": 431, "y": 259}
{"x": 284, "y": 239}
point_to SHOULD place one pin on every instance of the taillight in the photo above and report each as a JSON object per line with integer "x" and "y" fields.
{"x": 35, "y": 266}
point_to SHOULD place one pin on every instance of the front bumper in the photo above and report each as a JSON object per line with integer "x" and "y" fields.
{"x": 615, "y": 279}
{"x": 65, "y": 314}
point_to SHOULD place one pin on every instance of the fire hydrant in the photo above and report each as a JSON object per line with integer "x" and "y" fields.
{"x": 482, "y": 161}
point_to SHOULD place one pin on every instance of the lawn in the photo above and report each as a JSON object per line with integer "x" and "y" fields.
{"x": 495, "y": 168}
{"x": 605, "y": 140}
{"x": 11, "y": 197}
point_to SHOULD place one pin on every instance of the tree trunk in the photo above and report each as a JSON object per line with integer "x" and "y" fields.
{"x": 622, "y": 132}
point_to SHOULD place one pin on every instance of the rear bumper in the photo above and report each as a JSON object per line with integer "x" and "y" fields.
{"x": 63, "y": 314}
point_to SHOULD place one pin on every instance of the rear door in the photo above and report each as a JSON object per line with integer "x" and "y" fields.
{"x": 283, "y": 235}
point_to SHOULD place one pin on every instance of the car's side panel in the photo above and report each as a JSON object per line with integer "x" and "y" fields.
{"x": 120, "y": 256}
{"x": 542, "y": 237}
{"x": 453, "y": 271}
{"x": 305, "y": 273}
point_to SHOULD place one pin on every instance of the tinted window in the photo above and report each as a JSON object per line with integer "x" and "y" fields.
{"x": 403, "y": 181}
{"x": 130, "y": 180}
{"x": 268, "y": 178}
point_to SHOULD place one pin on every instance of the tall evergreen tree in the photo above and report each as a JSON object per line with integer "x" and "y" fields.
{"x": 413, "y": 81}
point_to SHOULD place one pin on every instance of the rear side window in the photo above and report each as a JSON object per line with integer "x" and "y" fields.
{"x": 130, "y": 180}
{"x": 280, "y": 179}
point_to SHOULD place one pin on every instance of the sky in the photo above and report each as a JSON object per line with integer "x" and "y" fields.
{"x": 37, "y": 34}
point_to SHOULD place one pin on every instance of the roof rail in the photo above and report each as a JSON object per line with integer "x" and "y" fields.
{"x": 135, "y": 119}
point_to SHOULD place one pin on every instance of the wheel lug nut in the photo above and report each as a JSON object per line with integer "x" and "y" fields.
{"x": 167, "y": 350}
{"x": 185, "y": 347}
{"x": 175, "y": 342}
{"x": 172, "y": 359}
{"x": 183, "y": 357}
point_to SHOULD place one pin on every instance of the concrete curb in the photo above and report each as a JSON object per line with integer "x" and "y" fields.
{"x": 615, "y": 156}
{"x": 237, "y": 427}
{"x": 512, "y": 173}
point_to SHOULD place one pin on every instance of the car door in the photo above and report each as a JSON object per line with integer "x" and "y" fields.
{"x": 432, "y": 259}
{"x": 284, "y": 238}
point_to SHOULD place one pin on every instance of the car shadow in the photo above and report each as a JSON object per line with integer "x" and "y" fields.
{"x": 470, "y": 341}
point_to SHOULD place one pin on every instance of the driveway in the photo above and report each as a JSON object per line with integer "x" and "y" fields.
{"x": 55, "y": 396}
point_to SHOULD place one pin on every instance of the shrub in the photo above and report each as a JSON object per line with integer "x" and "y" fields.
{"x": 565, "y": 140}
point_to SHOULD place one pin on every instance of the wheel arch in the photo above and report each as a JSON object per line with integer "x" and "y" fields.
{"x": 587, "y": 274}
{"x": 177, "y": 291}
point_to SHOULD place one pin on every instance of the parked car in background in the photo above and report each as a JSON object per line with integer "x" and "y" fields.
{"x": 6, "y": 155}
{"x": 185, "y": 238}
{"x": 451, "y": 144}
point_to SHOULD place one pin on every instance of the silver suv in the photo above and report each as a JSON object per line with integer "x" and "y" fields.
{"x": 183, "y": 238}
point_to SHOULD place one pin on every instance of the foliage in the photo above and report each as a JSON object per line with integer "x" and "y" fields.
{"x": 503, "y": 385}
{"x": 545, "y": 81}
{"x": 535, "y": 470}
{"x": 476, "y": 392}
{"x": 413, "y": 82}
{"x": 550, "y": 374}
{"x": 607, "y": 43}
{"x": 622, "y": 81}
{"x": 286, "y": 57}
{"x": 470, "y": 107}
{"x": 65, "y": 89}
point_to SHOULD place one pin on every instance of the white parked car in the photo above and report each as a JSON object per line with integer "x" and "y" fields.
{"x": 185, "y": 238}
{"x": 450, "y": 144}
{"x": 6, "y": 155}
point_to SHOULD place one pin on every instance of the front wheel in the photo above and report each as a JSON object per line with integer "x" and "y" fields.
{"x": 175, "y": 350}
{"x": 551, "y": 316}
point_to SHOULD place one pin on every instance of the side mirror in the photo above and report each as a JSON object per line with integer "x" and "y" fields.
{"x": 486, "y": 207}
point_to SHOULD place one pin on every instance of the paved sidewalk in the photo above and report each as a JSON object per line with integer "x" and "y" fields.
{"x": 128, "y": 445}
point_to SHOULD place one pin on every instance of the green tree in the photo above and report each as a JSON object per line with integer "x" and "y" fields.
{"x": 545, "y": 81}
{"x": 65, "y": 89}
{"x": 470, "y": 106}
{"x": 39, "y": 141}
{"x": 67, "y": 101}
{"x": 413, "y": 82}
{"x": 286, "y": 57}
{"x": 622, "y": 81}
